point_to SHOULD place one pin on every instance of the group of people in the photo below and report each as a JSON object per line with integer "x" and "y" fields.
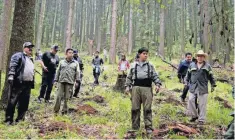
{"x": 195, "y": 76}
{"x": 67, "y": 74}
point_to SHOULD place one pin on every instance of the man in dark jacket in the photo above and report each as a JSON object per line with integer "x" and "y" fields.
{"x": 197, "y": 78}
{"x": 79, "y": 60}
{"x": 182, "y": 70}
{"x": 97, "y": 62}
{"x": 21, "y": 81}
{"x": 49, "y": 63}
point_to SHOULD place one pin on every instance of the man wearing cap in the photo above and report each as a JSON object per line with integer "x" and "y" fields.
{"x": 197, "y": 77}
{"x": 49, "y": 64}
{"x": 67, "y": 74}
{"x": 79, "y": 60}
{"x": 21, "y": 81}
{"x": 140, "y": 78}
{"x": 97, "y": 62}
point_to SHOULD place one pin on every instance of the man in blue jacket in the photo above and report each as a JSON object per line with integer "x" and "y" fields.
{"x": 182, "y": 70}
{"x": 21, "y": 81}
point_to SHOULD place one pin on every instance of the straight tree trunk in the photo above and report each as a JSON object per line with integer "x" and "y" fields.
{"x": 5, "y": 33}
{"x": 22, "y": 30}
{"x": 81, "y": 22}
{"x": 162, "y": 31}
{"x": 112, "y": 51}
{"x": 194, "y": 24}
{"x": 182, "y": 25}
{"x": 206, "y": 28}
{"x": 69, "y": 25}
{"x": 130, "y": 38}
{"x": 40, "y": 24}
{"x": 54, "y": 22}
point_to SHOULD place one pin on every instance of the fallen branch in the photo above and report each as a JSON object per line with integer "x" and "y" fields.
{"x": 163, "y": 60}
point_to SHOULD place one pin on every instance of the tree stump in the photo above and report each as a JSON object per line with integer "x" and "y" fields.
{"x": 120, "y": 83}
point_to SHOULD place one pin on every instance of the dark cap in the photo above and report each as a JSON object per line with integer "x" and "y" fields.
{"x": 55, "y": 47}
{"x": 28, "y": 45}
{"x": 75, "y": 51}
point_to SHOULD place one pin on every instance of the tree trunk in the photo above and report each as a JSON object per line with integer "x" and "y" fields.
{"x": 182, "y": 25}
{"x": 112, "y": 51}
{"x": 69, "y": 25}
{"x": 162, "y": 32}
{"x": 5, "y": 33}
{"x": 81, "y": 22}
{"x": 206, "y": 31}
{"x": 100, "y": 26}
{"x": 194, "y": 24}
{"x": 130, "y": 38}
{"x": 22, "y": 30}
{"x": 40, "y": 24}
{"x": 54, "y": 22}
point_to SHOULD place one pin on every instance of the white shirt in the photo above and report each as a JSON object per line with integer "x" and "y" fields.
{"x": 28, "y": 70}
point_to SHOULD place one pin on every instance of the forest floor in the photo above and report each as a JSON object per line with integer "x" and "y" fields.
{"x": 102, "y": 113}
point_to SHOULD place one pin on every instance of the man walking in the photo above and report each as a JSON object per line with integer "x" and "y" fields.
{"x": 97, "y": 62}
{"x": 21, "y": 81}
{"x": 198, "y": 75}
{"x": 182, "y": 71}
{"x": 140, "y": 78}
{"x": 49, "y": 64}
{"x": 79, "y": 60}
{"x": 67, "y": 74}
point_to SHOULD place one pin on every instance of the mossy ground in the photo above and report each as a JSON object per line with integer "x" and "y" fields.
{"x": 113, "y": 118}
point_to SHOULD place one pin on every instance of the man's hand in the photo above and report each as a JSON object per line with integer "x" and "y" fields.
{"x": 45, "y": 68}
{"x": 56, "y": 84}
{"x": 157, "y": 88}
{"x": 127, "y": 91}
{"x": 10, "y": 79}
{"x": 212, "y": 89}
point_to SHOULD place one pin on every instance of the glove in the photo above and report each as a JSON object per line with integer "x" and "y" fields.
{"x": 212, "y": 89}
{"x": 10, "y": 79}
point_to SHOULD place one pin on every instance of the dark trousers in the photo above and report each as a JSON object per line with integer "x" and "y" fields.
{"x": 46, "y": 86}
{"x": 185, "y": 91}
{"x": 77, "y": 89}
{"x": 96, "y": 77}
{"x": 20, "y": 93}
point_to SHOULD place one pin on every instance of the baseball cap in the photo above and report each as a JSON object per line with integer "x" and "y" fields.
{"x": 75, "y": 52}
{"x": 55, "y": 47}
{"x": 28, "y": 45}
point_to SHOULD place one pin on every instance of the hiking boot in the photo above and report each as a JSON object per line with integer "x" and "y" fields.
{"x": 182, "y": 99}
{"x": 76, "y": 96}
{"x": 193, "y": 119}
{"x": 149, "y": 134}
{"x": 130, "y": 135}
{"x": 48, "y": 101}
{"x": 64, "y": 112}
{"x": 7, "y": 122}
{"x": 201, "y": 123}
{"x": 39, "y": 100}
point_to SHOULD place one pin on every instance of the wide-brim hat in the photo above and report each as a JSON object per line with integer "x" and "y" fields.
{"x": 201, "y": 52}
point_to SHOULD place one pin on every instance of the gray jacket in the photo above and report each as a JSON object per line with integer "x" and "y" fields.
{"x": 146, "y": 71}
{"x": 68, "y": 72}
{"x": 198, "y": 78}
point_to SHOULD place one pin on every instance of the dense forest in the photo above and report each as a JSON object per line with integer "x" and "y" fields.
{"x": 168, "y": 28}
